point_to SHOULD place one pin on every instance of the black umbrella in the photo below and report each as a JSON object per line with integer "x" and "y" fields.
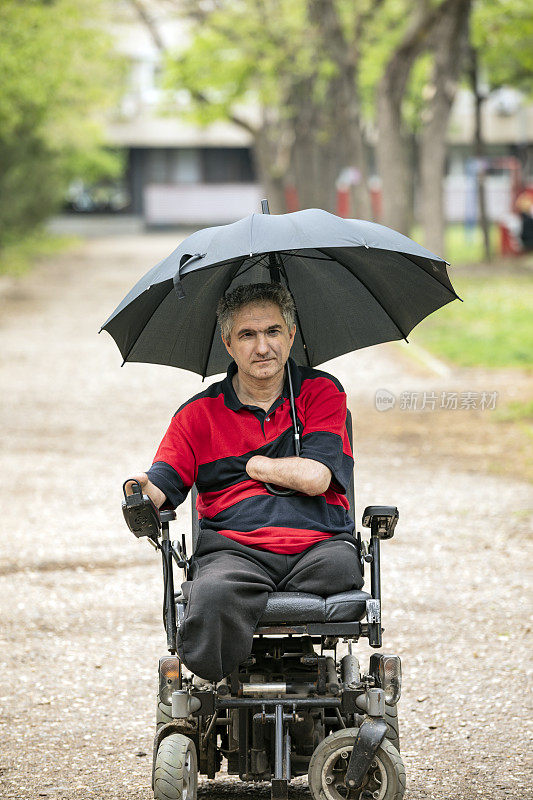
{"x": 355, "y": 284}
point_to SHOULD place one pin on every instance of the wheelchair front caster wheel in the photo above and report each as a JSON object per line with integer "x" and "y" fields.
{"x": 385, "y": 780}
{"x": 176, "y": 769}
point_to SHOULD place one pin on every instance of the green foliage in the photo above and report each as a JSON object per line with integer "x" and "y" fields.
{"x": 516, "y": 410}
{"x": 57, "y": 66}
{"x": 240, "y": 49}
{"x": 382, "y": 36}
{"x": 417, "y": 92}
{"x": 267, "y": 51}
{"x": 490, "y": 328}
{"x": 502, "y": 31}
{"x": 18, "y": 257}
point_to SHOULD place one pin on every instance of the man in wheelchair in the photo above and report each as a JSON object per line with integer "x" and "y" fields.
{"x": 274, "y": 580}
{"x": 234, "y": 441}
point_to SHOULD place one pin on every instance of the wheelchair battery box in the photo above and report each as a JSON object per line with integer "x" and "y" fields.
{"x": 141, "y": 514}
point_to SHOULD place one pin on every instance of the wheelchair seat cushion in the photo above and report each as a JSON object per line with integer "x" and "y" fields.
{"x": 294, "y": 607}
{"x": 290, "y": 608}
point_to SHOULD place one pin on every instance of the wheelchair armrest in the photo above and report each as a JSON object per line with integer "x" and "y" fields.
{"x": 381, "y": 519}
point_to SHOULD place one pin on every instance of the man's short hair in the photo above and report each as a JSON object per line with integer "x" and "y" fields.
{"x": 242, "y": 296}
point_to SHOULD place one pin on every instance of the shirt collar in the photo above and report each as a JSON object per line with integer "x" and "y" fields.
{"x": 230, "y": 395}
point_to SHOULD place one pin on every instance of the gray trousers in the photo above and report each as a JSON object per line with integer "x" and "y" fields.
{"x": 229, "y": 590}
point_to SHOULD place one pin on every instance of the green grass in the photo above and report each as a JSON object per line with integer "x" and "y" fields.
{"x": 19, "y": 257}
{"x": 491, "y": 328}
{"x": 463, "y": 247}
{"x": 515, "y": 411}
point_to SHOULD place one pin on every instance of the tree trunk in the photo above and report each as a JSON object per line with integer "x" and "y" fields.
{"x": 327, "y": 128}
{"x": 450, "y": 37}
{"x": 479, "y": 152}
{"x": 392, "y": 160}
{"x": 271, "y": 154}
{"x": 317, "y": 134}
{"x": 392, "y": 149}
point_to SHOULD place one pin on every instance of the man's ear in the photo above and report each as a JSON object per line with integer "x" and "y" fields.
{"x": 227, "y": 345}
{"x": 292, "y": 334}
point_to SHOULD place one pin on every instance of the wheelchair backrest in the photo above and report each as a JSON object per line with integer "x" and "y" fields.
{"x": 350, "y": 494}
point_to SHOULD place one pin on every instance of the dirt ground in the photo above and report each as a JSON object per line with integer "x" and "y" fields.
{"x": 80, "y": 630}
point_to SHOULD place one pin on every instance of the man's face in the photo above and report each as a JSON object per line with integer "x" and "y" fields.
{"x": 260, "y": 341}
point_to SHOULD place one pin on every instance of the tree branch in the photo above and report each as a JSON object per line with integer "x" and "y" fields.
{"x": 150, "y": 25}
{"x": 413, "y": 43}
{"x": 198, "y": 96}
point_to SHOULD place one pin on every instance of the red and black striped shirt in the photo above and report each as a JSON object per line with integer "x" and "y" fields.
{"x": 212, "y": 436}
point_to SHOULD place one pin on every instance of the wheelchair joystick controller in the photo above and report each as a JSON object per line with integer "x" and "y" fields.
{"x": 140, "y": 513}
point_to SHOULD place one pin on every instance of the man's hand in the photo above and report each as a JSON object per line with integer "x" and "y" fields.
{"x": 302, "y": 474}
{"x": 156, "y": 495}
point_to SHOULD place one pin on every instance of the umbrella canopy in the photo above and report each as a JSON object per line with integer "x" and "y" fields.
{"x": 355, "y": 284}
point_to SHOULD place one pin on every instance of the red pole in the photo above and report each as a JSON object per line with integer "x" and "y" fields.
{"x": 343, "y": 201}
{"x": 291, "y": 198}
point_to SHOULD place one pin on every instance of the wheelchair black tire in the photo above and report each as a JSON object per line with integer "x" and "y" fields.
{"x": 163, "y": 714}
{"x": 387, "y": 769}
{"x": 176, "y": 769}
{"x": 393, "y": 733}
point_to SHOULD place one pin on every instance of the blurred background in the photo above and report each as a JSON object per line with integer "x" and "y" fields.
{"x": 418, "y": 115}
{"x": 126, "y": 125}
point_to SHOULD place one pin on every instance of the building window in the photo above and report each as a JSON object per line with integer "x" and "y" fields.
{"x": 187, "y": 165}
{"x": 227, "y": 165}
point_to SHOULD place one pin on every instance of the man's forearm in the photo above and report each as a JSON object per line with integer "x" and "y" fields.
{"x": 301, "y": 474}
{"x": 149, "y": 488}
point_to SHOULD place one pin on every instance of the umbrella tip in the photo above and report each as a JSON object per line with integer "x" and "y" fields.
{"x": 264, "y": 206}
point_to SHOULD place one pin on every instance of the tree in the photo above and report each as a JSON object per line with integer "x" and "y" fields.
{"x": 317, "y": 74}
{"x": 56, "y": 63}
{"x": 298, "y": 62}
{"x": 427, "y": 25}
{"x": 448, "y": 44}
{"x": 497, "y": 26}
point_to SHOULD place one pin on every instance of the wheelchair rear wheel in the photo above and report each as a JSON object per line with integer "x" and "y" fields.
{"x": 176, "y": 769}
{"x": 385, "y": 779}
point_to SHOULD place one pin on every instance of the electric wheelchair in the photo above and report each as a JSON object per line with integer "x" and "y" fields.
{"x": 292, "y": 707}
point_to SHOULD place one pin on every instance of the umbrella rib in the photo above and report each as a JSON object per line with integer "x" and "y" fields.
{"x": 405, "y": 255}
{"x": 346, "y": 267}
{"x": 158, "y": 306}
{"x": 228, "y": 284}
{"x": 306, "y": 349}
{"x": 145, "y": 324}
{"x": 299, "y": 254}
{"x": 253, "y": 264}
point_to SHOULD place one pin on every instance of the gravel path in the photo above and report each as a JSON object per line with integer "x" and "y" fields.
{"x": 81, "y": 630}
